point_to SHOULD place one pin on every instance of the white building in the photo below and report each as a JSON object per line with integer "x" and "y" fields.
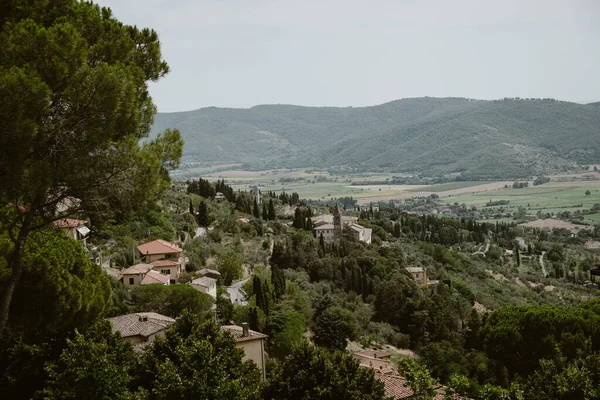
{"x": 205, "y": 285}
{"x": 330, "y": 227}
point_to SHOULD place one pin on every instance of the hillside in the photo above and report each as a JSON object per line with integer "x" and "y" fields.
{"x": 431, "y": 136}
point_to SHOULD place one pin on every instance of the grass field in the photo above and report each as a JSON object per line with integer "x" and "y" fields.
{"x": 442, "y": 187}
{"x": 554, "y": 197}
{"x": 549, "y": 198}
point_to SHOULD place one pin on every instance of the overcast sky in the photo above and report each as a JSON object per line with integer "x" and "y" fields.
{"x": 240, "y": 53}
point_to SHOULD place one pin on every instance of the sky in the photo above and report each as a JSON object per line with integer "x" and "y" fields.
{"x": 241, "y": 53}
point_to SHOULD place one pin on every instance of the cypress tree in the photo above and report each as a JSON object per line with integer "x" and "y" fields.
{"x": 271, "y": 213}
{"x": 278, "y": 280}
{"x": 202, "y": 214}
{"x": 256, "y": 211}
{"x": 191, "y": 207}
{"x": 264, "y": 212}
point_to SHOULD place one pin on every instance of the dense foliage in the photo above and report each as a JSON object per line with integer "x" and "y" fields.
{"x": 507, "y": 138}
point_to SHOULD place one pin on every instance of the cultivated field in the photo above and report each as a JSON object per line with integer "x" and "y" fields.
{"x": 565, "y": 192}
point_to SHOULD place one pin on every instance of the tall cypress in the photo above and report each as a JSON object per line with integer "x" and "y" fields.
{"x": 256, "y": 212}
{"x": 271, "y": 213}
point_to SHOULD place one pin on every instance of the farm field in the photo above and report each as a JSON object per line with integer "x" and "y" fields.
{"x": 559, "y": 195}
{"x": 549, "y": 198}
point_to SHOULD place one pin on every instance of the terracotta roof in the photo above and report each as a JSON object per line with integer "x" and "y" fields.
{"x": 204, "y": 281}
{"x": 154, "y": 277}
{"x": 159, "y": 247}
{"x": 326, "y": 226}
{"x": 164, "y": 263}
{"x": 395, "y": 386}
{"x": 140, "y": 324}
{"x": 208, "y": 272}
{"x": 137, "y": 269}
{"x": 237, "y": 332}
{"x": 69, "y": 223}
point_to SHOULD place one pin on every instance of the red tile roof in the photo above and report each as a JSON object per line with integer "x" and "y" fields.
{"x": 69, "y": 223}
{"x": 237, "y": 332}
{"x": 154, "y": 277}
{"x": 395, "y": 386}
{"x": 164, "y": 263}
{"x": 137, "y": 269}
{"x": 159, "y": 247}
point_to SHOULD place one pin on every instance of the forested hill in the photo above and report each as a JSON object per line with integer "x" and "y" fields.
{"x": 501, "y": 138}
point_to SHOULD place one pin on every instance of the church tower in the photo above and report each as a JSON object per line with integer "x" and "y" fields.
{"x": 337, "y": 222}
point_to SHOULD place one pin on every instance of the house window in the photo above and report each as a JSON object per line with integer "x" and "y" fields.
{"x": 131, "y": 281}
{"x": 165, "y": 271}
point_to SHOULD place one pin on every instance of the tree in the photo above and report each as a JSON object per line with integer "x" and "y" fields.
{"x": 395, "y": 299}
{"x": 265, "y": 216}
{"x": 170, "y": 300}
{"x": 230, "y": 267}
{"x": 97, "y": 364}
{"x": 197, "y": 360}
{"x": 203, "y": 214}
{"x": 313, "y": 373}
{"x": 587, "y": 193}
{"x": 271, "y": 213}
{"x": 255, "y": 210}
{"x": 278, "y": 280}
{"x": 418, "y": 379}
{"x": 491, "y": 392}
{"x": 60, "y": 290}
{"x": 563, "y": 380}
{"x": 333, "y": 328}
{"x": 77, "y": 80}
{"x": 191, "y": 207}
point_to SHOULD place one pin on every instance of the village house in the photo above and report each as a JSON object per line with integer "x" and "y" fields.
{"x": 329, "y": 227}
{"x": 143, "y": 274}
{"x": 219, "y": 197}
{"x": 167, "y": 258}
{"x": 205, "y": 285}
{"x": 252, "y": 342}
{"x": 418, "y": 274}
{"x": 141, "y": 329}
{"x": 395, "y": 385}
{"x": 74, "y": 228}
{"x": 255, "y": 194}
{"x": 211, "y": 273}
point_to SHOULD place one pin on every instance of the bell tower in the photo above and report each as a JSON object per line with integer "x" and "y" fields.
{"x": 337, "y": 222}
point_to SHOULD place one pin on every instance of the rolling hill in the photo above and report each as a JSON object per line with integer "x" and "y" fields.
{"x": 431, "y": 136}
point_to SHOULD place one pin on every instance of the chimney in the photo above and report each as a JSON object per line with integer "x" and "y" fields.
{"x": 143, "y": 318}
{"x": 245, "y": 332}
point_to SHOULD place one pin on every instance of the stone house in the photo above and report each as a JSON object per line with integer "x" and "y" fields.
{"x": 418, "y": 274}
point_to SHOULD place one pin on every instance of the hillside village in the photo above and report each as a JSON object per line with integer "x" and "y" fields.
{"x": 205, "y": 264}
{"x": 119, "y": 282}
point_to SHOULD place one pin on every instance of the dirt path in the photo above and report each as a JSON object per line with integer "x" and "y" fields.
{"x": 542, "y": 264}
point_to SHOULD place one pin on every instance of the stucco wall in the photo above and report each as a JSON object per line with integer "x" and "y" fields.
{"x": 136, "y": 280}
{"x": 253, "y": 350}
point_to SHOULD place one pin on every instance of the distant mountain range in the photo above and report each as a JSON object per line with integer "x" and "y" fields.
{"x": 431, "y": 136}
